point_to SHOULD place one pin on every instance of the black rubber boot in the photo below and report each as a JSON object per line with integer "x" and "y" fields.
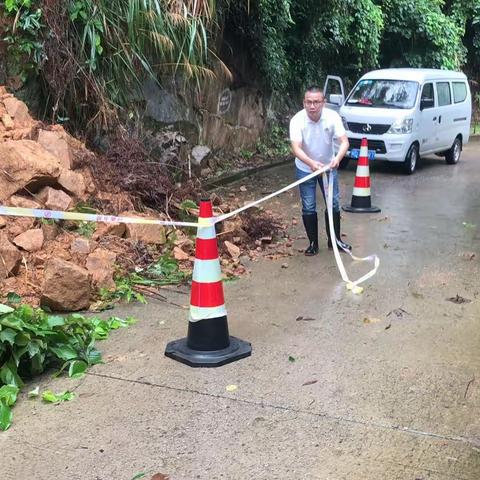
{"x": 336, "y": 226}
{"x": 311, "y": 227}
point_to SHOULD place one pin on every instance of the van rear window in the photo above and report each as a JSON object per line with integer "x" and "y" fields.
{"x": 459, "y": 91}
{"x": 384, "y": 94}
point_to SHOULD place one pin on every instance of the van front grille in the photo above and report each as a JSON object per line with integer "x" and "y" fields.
{"x": 368, "y": 128}
{"x": 377, "y": 145}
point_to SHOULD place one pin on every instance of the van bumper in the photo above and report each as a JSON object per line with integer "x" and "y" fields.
{"x": 393, "y": 148}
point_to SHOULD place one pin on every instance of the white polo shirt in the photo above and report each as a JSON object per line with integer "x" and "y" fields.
{"x": 317, "y": 138}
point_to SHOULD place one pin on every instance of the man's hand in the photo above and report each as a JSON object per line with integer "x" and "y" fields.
{"x": 334, "y": 163}
{"x": 317, "y": 166}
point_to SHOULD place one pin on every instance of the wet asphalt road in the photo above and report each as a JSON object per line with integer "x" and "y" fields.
{"x": 379, "y": 386}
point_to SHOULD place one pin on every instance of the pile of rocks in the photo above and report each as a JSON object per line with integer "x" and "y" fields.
{"x": 47, "y": 262}
{"x": 64, "y": 264}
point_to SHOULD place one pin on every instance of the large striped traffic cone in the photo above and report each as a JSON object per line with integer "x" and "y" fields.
{"x": 361, "y": 200}
{"x": 208, "y": 343}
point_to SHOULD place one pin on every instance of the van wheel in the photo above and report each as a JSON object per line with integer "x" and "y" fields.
{"x": 411, "y": 159}
{"x": 344, "y": 163}
{"x": 452, "y": 156}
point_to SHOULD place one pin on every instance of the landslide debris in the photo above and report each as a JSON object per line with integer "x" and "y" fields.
{"x": 70, "y": 265}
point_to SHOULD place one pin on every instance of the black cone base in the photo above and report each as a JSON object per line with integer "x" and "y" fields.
{"x": 361, "y": 205}
{"x": 372, "y": 209}
{"x": 180, "y": 351}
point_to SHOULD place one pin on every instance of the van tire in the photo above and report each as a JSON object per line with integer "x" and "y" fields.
{"x": 452, "y": 156}
{"x": 411, "y": 159}
{"x": 344, "y": 163}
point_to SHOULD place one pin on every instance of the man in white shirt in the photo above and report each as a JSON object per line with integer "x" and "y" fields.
{"x": 312, "y": 131}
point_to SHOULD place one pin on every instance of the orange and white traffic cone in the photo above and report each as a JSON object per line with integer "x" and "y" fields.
{"x": 208, "y": 343}
{"x": 361, "y": 199}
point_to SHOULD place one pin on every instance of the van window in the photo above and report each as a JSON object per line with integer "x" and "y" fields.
{"x": 427, "y": 93}
{"x": 384, "y": 94}
{"x": 443, "y": 94}
{"x": 459, "y": 91}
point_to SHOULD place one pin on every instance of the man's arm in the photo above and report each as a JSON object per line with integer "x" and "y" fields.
{"x": 298, "y": 151}
{"x": 341, "y": 151}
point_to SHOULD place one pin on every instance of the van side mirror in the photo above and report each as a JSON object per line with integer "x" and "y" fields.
{"x": 426, "y": 103}
{"x": 335, "y": 99}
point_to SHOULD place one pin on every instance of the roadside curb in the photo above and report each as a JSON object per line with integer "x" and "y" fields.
{"x": 475, "y": 137}
{"x": 233, "y": 177}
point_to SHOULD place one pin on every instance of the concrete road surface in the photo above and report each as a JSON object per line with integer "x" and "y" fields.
{"x": 379, "y": 386}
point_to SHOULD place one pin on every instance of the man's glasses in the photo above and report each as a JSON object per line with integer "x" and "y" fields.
{"x": 313, "y": 103}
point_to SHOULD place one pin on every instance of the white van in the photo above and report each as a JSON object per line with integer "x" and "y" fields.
{"x": 405, "y": 113}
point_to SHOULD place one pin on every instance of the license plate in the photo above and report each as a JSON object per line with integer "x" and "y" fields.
{"x": 355, "y": 153}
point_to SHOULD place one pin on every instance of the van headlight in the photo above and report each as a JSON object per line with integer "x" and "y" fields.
{"x": 345, "y": 124}
{"x": 402, "y": 125}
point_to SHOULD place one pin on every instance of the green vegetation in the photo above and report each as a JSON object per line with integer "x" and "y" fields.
{"x": 32, "y": 341}
{"x": 92, "y": 57}
{"x": 274, "y": 143}
{"x": 24, "y": 38}
{"x": 298, "y": 43}
{"x": 164, "y": 271}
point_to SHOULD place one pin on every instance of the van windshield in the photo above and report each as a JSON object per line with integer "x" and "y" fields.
{"x": 384, "y": 94}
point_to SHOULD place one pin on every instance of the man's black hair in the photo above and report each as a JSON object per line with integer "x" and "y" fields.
{"x": 314, "y": 89}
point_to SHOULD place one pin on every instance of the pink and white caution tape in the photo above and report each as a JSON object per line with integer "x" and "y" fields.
{"x": 90, "y": 217}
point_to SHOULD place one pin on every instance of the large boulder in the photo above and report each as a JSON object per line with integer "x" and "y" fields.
{"x": 100, "y": 265}
{"x": 10, "y": 257}
{"x": 56, "y": 144}
{"x": 73, "y": 182}
{"x": 66, "y": 286}
{"x": 25, "y": 162}
{"x": 17, "y": 110}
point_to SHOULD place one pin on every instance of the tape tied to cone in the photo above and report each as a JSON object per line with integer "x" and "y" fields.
{"x": 208, "y": 343}
{"x": 361, "y": 195}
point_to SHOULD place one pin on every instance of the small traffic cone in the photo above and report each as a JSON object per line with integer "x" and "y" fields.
{"x": 208, "y": 343}
{"x": 361, "y": 200}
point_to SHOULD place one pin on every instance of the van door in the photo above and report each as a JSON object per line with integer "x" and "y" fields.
{"x": 334, "y": 92}
{"x": 444, "y": 135}
{"x": 428, "y": 119}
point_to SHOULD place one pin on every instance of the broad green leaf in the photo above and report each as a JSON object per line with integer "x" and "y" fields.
{"x": 33, "y": 348}
{"x": 55, "y": 321}
{"x": 65, "y": 352}
{"x": 5, "y": 309}
{"x": 13, "y": 297}
{"x": 9, "y": 375}
{"x": 22, "y": 339}
{"x": 50, "y": 397}
{"x": 12, "y": 322}
{"x": 77, "y": 369}
{"x": 8, "y": 335}
{"x": 8, "y": 394}
{"x": 6, "y": 416}
{"x": 188, "y": 204}
{"x": 94, "y": 357}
